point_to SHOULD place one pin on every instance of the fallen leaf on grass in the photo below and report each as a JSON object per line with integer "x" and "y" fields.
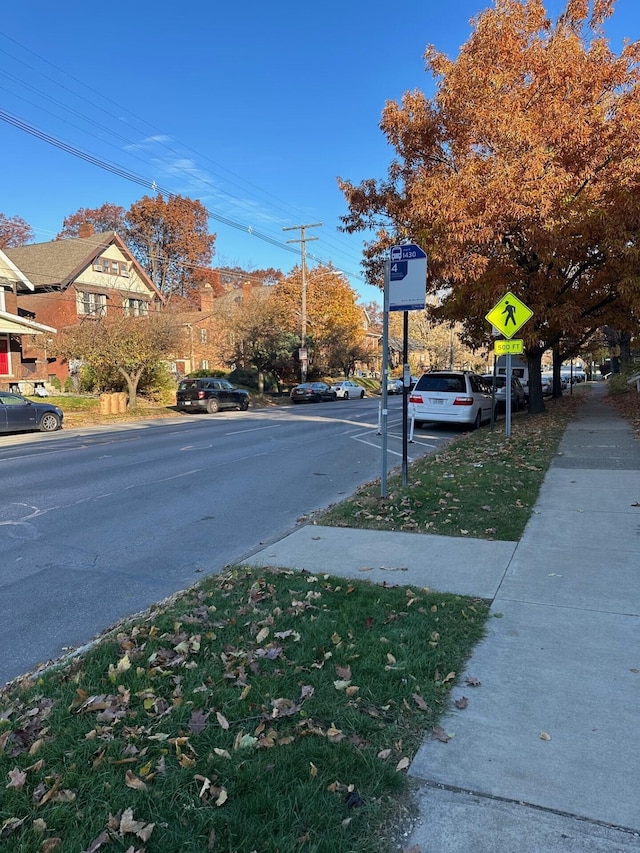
{"x": 403, "y": 764}
{"x": 128, "y": 824}
{"x": 17, "y": 778}
{"x": 132, "y": 781}
{"x": 420, "y": 702}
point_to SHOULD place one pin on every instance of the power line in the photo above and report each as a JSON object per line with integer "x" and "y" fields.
{"x": 110, "y": 131}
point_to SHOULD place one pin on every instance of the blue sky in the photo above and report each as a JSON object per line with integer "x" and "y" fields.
{"x": 254, "y": 109}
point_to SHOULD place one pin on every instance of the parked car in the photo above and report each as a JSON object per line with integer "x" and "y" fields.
{"x": 518, "y": 396}
{"x": 451, "y": 397}
{"x": 547, "y": 383}
{"x": 312, "y": 392}
{"x": 346, "y": 389}
{"x": 394, "y": 386}
{"x": 18, "y": 414}
{"x": 210, "y": 394}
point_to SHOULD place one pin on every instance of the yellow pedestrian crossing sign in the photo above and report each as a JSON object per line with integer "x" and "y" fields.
{"x": 509, "y": 315}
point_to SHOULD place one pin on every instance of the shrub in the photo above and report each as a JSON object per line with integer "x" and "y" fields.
{"x": 618, "y": 383}
{"x": 55, "y": 383}
{"x": 69, "y": 386}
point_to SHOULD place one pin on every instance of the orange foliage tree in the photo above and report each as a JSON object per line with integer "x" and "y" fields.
{"x": 107, "y": 217}
{"x": 170, "y": 238}
{"x": 334, "y": 320}
{"x": 14, "y": 231}
{"x": 522, "y": 173}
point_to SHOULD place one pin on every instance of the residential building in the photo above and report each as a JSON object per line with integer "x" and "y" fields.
{"x": 76, "y": 280}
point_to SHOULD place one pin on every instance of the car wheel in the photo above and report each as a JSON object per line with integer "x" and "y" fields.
{"x": 346, "y": 395}
{"x": 478, "y": 421}
{"x": 361, "y": 395}
{"x": 49, "y": 422}
{"x": 244, "y": 405}
{"x": 213, "y": 405}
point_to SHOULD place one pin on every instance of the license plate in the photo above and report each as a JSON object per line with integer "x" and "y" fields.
{"x": 187, "y": 402}
{"x": 436, "y": 401}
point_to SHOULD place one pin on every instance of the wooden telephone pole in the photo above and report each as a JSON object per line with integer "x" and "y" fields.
{"x": 303, "y": 332}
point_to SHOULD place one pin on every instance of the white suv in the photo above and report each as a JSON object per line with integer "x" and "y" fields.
{"x": 451, "y": 397}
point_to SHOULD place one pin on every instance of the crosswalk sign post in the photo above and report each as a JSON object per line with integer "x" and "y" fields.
{"x": 508, "y": 316}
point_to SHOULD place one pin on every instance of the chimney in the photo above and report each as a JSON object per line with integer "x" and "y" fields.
{"x": 206, "y": 298}
{"x": 85, "y": 230}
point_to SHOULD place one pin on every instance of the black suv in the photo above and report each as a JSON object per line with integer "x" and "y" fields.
{"x": 210, "y": 394}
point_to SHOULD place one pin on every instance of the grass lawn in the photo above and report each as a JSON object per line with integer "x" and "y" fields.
{"x": 261, "y": 710}
{"x": 482, "y": 485}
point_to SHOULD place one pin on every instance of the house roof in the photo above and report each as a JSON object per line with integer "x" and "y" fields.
{"x": 59, "y": 262}
{"x": 18, "y": 276}
{"x": 11, "y": 324}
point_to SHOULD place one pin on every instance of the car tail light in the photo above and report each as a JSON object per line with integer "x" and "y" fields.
{"x": 463, "y": 401}
{"x": 200, "y": 395}
{"x": 416, "y": 398}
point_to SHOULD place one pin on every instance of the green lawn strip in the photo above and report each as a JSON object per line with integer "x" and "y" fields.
{"x": 482, "y": 485}
{"x": 261, "y": 710}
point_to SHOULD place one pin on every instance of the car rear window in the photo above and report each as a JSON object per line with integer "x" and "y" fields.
{"x": 451, "y": 383}
{"x": 186, "y": 384}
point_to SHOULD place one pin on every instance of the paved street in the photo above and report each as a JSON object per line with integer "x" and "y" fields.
{"x": 98, "y": 523}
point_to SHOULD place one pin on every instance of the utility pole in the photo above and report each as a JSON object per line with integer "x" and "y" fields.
{"x": 303, "y": 250}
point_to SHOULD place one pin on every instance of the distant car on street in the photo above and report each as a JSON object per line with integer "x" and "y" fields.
{"x": 348, "y": 389}
{"x": 518, "y": 396}
{"x": 210, "y": 394}
{"x": 394, "y": 386}
{"x": 18, "y": 414}
{"x": 312, "y": 392}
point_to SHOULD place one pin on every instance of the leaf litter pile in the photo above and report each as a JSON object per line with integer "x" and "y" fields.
{"x": 262, "y": 710}
{"x": 482, "y": 485}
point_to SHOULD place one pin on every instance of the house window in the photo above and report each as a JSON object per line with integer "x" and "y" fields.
{"x": 135, "y": 308}
{"x": 91, "y": 304}
{"x": 204, "y": 364}
{"x": 203, "y": 336}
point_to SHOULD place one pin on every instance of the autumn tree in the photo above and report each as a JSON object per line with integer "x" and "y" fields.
{"x": 334, "y": 320}
{"x": 130, "y": 345}
{"x": 258, "y": 339}
{"x": 522, "y": 173}
{"x": 171, "y": 240}
{"x": 14, "y": 231}
{"x": 107, "y": 217}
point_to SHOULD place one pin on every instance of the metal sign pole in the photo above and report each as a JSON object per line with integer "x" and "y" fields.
{"x": 507, "y": 392}
{"x": 405, "y": 394}
{"x": 385, "y": 378}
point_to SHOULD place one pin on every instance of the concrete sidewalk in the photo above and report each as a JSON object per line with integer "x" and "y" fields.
{"x": 546, "y": 757}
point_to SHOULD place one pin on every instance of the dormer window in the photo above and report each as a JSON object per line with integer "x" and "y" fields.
{"x": 111, "y": 267}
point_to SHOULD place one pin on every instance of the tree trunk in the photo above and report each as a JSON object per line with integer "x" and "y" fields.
{"x": 260, "y": 381}
{"x": 132, "y": 385}
{"x": 536, "y": 401}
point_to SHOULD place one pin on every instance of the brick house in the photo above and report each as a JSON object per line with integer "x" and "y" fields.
{"x": 73, "y": 280}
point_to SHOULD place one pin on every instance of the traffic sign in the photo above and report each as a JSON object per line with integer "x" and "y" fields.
{"x": 407, "y": 278}
{"x": 509, "y": 315}
{"x": 512, "y": 347}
